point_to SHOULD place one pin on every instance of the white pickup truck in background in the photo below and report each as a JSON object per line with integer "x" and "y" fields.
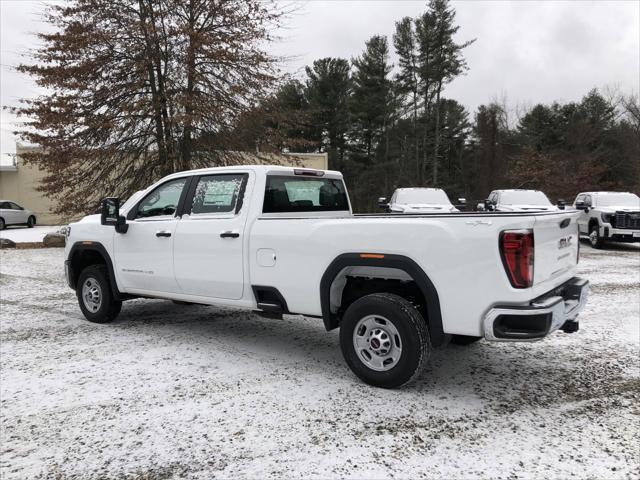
{"x": 284, "y": 241}
{"x": 418, "y": 200}
{"x": 609, "y": 216}
{"x": 518, "y": 200}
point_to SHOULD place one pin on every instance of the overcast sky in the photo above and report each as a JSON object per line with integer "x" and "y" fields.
{"x": 526, "y": 51}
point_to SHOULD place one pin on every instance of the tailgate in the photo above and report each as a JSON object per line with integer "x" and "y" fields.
{"x": 556, "y": 242}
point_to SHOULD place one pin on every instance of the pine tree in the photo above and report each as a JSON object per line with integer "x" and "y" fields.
{"x": 440, "y": 61}
{"x": 407, "y": 79}
{"x": 370, "y": 102}
{"x": 327, "y": 91}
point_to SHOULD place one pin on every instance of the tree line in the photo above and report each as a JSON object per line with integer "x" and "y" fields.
{"x": 387, "y": 126}
{"x": 179, "y": 84}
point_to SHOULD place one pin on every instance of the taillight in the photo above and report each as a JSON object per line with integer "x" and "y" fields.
{"x": 516, "y": 250}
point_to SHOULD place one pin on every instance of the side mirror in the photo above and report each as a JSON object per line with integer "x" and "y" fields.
{"x": 581, "y": 206}
{"x": 110, "y": 214}
{"x": 488, "y": 205}
{"x": 561, "y": 204}
{"x": 382, "y": 202}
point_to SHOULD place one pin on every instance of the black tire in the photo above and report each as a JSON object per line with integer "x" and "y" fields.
{"x": 108, "y": 308}
{"x": 31, "y": 221}
{"x": 595, "y": 240}
{"x": 411, "y": 328}
{"x": 2, "y": 224}
{"x": 464, "y": 339}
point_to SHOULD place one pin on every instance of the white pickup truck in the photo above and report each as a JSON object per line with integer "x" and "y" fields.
{"x": 609, "y": 216}
{"x": 418, "y": 200}
{"x": 284, "y": 241}
{"x": 518, "y": 200}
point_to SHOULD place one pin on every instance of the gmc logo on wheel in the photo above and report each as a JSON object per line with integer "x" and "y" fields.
{"x": 564, "y": 242}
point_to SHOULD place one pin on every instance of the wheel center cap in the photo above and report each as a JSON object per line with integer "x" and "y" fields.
{"x": 375, "y": 343}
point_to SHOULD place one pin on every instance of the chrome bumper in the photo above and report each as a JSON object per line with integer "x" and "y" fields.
{"x": 528, "y": 323}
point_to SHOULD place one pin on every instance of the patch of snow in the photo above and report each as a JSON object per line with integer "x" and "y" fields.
{"x": 175, "y": 391}
{"x": 22, "y": 234}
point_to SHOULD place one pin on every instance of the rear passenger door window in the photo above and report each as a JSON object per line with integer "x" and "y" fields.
{"x": 218, "y": 194}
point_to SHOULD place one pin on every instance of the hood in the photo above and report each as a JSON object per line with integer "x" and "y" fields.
{"x": 425, "y": 208}
{"x": 527, "y": 208}
{"x": 617, "y": 209}
{"x": 90, "y": 219}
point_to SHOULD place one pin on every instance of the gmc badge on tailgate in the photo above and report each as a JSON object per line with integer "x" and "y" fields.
{"x": 564, "y": 242}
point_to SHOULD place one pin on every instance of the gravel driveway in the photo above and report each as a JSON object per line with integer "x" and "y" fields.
{"x": 171, "y": 391}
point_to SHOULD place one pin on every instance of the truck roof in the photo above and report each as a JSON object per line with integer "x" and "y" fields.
{"x": 419, "y": 188}
{"x": 599, "y": 193}
{"x": 258, "y": 168}
{"x": 516, "y": 190}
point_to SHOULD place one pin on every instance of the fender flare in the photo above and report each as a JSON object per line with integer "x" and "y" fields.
{"x": 96, "y": 247}
{"x": 400, "y": 262}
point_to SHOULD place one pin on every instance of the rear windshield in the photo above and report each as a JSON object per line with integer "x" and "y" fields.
{"x": 304, "y": 194}
{"x": 525, "y": 197}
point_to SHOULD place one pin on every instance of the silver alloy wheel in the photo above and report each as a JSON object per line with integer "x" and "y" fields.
{"x": 377, "y": 343}
{"x": 593, "y": 237}
{"x": 92, "y": 295}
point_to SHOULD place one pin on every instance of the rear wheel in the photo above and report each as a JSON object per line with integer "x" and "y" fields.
{"x": 464, "y": 339}
{"x": 594, "y": 236}
{"x": 95, "y": 296}
{"x": 31, "y": 221}
{"x": 384, "y": 340}
{"x": 2, "y": 224}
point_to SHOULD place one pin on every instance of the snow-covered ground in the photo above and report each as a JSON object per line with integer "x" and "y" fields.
{"x": 170, "y": 391}
{"x": 21, "y": 234}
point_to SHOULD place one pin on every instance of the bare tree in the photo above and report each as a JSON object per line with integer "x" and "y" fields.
{"x": 139, "y": 87}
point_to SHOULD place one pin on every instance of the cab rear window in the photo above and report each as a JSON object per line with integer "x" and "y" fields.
{"x": 300, "y": 194}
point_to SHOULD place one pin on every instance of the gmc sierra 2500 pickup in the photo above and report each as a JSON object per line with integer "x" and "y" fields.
{"x": 284, "y": 241}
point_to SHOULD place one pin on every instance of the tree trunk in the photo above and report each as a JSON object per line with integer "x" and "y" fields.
{"x": 188, "y": 108}
{"x": 157, "y": 113}
{"x": 437, "y": 138}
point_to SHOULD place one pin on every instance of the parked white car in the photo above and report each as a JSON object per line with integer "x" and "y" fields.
{"x": 13, "y": 214}
{"x": 517, "y": 200}
{"x": 418, "y": 200}
{"x": 613, "y": 216}
{"x": 280, "y": 240}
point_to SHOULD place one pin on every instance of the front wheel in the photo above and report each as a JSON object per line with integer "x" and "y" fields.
{"x": 95, "y": 296}
{"x": 31, "y": 221}
{"x": 384, "y": 340}
{"x": 594, "y": 237}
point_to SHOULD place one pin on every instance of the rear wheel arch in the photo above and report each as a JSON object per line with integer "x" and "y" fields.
{"x": 432, "y": 312}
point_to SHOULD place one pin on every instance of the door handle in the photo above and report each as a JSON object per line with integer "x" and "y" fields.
{"x": 229, "y": 234}
{"x": 163, "y": 233}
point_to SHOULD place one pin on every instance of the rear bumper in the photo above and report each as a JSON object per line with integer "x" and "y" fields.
{"x": 521, "y": 323}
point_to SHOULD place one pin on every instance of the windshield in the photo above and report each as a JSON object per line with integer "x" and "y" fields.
{"x": 619, "y": 200}
{"x": 132, "y": 199}
{"x": 524, "y": 197}
{"x": 417, "y": 196}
